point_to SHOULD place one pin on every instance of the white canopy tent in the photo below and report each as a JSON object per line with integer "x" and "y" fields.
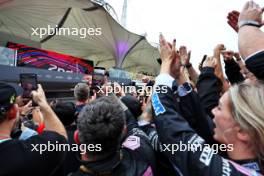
{"x": 114, "y": 47}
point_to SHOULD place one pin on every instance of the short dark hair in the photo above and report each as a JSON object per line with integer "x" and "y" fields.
{"x": 81, "y": 92}
{"x": 65, "y": 112}
{"x": 102, "y": 122}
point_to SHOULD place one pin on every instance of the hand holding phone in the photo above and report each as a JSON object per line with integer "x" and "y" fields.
{"x": 28, "y": 83}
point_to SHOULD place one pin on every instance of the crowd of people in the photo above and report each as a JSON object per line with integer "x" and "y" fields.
{"x": 185, "y": 122}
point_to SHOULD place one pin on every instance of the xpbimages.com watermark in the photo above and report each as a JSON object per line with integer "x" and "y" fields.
{"x": 50, "y": 147}
{"x": 49, "y": 30}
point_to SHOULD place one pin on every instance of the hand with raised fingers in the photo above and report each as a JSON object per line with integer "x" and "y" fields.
{"x": 170, "y": 58}
{"x": 185, "y": 57}
{"x": 251, "y": 12}
{"x": 167, "y": 51}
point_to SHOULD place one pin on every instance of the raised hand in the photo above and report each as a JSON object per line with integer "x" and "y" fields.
{"x": 39, "y": 97}
{"x": 217, "y": 55}
{"x": 218, "y": 49}
{"x": 251, "y": 12}
{"x": 232, "y": 19}
{"x": 170, "y": 58}
{"x": 185, "y": 57}
{"x": 167, "y": 51}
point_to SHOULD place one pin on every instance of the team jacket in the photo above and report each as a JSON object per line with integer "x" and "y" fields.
{"x": 255, "y": 64}
{"x": 174, "y": 132}
{"x": 209, "y": 88}
{"x": 136, "y": 157}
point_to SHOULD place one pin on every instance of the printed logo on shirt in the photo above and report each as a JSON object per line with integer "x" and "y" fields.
{"x": 226, "y": 168}
{"x": 132, "y": 142}
{"x": 195, "y": 139}
{"x": 206, "y": 155}
{"x": 157, "y": 106}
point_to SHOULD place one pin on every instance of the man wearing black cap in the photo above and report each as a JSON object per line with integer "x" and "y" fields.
{"x": 8, "y": 109}
{"x": 21, "y": 157}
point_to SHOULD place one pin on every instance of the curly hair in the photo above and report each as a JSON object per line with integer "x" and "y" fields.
{"x": 102, "y": 122}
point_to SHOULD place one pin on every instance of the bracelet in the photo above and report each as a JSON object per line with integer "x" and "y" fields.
{"x": 188, "y": 65}
{"x": 248, "y": 23}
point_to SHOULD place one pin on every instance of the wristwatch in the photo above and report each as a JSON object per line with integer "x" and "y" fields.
{"x": 248, "y": 23}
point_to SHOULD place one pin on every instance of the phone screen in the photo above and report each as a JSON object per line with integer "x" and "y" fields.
{"x": 28, "y": 83}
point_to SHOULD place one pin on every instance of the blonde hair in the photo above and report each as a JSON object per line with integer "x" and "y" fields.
{"x": 248, "y": 111}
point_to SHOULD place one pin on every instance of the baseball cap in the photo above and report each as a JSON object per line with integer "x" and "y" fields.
{"x": 8, "y": 94}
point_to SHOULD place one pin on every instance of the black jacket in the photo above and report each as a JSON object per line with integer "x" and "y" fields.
{"x": 209, "y": 88}
{"x": 174, "y": 130}
{"x": 232, "y": 71}
{"x": 255, "y": 64}
{"x": 136, "y": 158}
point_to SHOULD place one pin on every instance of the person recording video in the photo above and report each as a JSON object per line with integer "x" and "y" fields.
{"x": 28, "y": 160}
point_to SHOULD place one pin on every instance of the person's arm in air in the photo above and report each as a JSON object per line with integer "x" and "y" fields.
{"x": 232, "y": 68}
{"x": 218, "y": 67}
{"x": 174, "y": 131}
{"x": 232, "y": 71}
{"x": 185, "y": 61}
{"x": 251, "y": 38}
{"x": 194, "y": 113}
{"x": 209, "y": 86}
{"x": 191, "y": 109}
{"x": 52, "y": 122}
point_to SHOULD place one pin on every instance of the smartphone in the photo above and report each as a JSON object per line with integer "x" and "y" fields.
{"x": 201, "y": 64}
{"x": 97, "y": 80}
{"x": 29, "y": 83}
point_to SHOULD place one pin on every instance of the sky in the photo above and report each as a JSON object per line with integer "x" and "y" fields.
{"x": 198, "y": 24}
